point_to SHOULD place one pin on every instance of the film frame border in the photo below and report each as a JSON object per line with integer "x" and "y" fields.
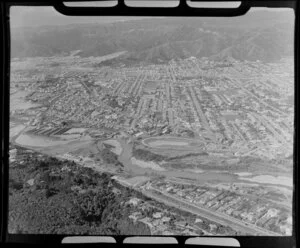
{"x": 122, "y": 10}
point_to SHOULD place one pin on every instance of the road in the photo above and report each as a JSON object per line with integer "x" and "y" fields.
{"x": 201, "y": 114}
{"x": 86, "y": 87}
{"x": 270, "y": 126}
{"x": 220, "y": 218}
{"x": 236, "y": 83}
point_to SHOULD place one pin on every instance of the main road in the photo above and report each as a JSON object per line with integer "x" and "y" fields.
{"x": 220, "y": 218}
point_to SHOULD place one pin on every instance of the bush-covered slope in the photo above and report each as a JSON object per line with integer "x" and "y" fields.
{"x": 50, "y": 196}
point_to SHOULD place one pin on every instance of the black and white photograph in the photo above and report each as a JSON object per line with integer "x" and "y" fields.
{"x": 144, "y": 125}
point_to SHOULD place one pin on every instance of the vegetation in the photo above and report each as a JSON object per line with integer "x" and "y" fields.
{"x": 109, "y": 157}
{"x": 147, "y": 155}
{"x": 51, "y": 196}
{"x": 188, "y": 155}
{"x": 172, "y": 161}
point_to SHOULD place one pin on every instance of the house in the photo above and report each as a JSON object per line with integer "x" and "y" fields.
{"x": 139, "y": 134}
{"x": 65, "y": 168}
{"x": 287, "y": 230}
{"x": 212, "y": 227}
{"x": 198, "y": 220}
{"x": 157, "y": 215}
{"x": 165, "y": 219}
{"x": 169, "y": 188}
{"x": 168, "y": 233}
{"x": 180, "y": 193}
{"x": 162, "y": 227}
{"x": 146, "y": 221}
{"x": 134, "y": 201}
{"x": 181, "y": 223}
{"x": 272, "y": 212}
{"x": 156, "y": 223}
{"x": 31, "y": 182}
{"x": 134, "y": 218}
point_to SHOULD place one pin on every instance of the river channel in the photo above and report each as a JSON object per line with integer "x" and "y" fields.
{"x": 136, "y": 167}
{"x": 126, "y": 159}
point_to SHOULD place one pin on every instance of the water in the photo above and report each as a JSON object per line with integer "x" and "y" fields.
{"x": 13, "y": 131}
{"x": 168, "y": 143}
{"x": 126, "y": 159}
{"x": 38, "y": 141}
{"x": 18, "y": 102}
{"x": 280, "y": 180}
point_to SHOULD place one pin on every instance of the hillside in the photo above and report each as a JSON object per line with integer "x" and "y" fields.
{"x": 50, "y": 196}
{"x": 163, "y": 39}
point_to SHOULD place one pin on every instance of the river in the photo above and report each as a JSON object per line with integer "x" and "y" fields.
{"x": 152, "y": 168}
{"x": 18, "y": 101}
{"x": 126, "y": 159}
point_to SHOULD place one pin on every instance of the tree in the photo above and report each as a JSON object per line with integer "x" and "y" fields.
{"x": 50, "y": 191}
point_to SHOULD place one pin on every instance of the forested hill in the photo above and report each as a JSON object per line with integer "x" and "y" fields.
{"x": 50, "y": 196}
{"x": 259, "y": 35}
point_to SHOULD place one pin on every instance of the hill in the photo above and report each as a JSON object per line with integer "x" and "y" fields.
{"x": 162, "y": 39}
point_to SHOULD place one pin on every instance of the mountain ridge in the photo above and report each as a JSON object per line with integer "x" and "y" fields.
{"x": 163, "y": 39}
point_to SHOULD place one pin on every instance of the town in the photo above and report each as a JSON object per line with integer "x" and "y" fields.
{"x": 213, "y": 137}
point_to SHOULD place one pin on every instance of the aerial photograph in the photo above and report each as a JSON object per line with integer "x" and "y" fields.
{"x": 151, "y": 125}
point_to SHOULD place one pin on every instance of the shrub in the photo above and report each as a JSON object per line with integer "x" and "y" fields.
{"x": 15, "y": 185}
{"x": 50, "y": 191}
